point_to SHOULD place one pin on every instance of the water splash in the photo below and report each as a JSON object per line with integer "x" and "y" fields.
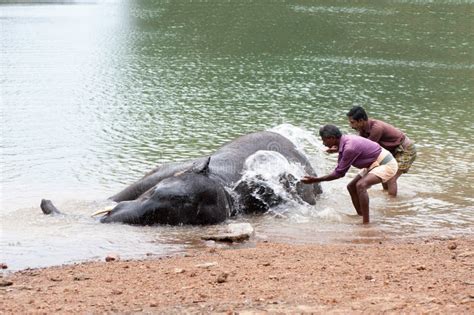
{"x": 307, "y": 143}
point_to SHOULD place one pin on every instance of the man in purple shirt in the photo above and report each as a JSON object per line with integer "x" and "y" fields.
{"x": 377, "y": 164}
{"x": 389, "y": 137}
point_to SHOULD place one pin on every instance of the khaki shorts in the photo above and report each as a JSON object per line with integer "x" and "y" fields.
{"x": 385, "y": 167}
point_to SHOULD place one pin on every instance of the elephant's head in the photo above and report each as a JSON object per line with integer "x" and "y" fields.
{"x": 190, "y": 197}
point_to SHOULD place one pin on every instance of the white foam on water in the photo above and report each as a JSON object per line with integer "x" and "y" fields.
{"x": 270, "y": 165}
{"x": 267, "y": 168}
{"x": 307, "y": 143}
{"x": 343, "y": 10}
{"x": 329, "y": 214}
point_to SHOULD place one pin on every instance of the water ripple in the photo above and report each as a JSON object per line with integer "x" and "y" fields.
{"x": 94, "y": 96}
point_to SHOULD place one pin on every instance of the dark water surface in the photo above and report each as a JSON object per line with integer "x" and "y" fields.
{"x": 94, "y": 94}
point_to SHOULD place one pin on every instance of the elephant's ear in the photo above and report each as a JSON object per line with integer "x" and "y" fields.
{"x": 202, "y": 168}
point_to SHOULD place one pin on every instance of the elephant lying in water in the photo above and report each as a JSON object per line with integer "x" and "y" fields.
{"x": 208, "y": 190}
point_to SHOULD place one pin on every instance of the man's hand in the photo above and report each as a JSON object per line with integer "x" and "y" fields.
{"x": 309, "y": 179}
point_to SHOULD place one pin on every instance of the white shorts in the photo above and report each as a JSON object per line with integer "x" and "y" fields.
{"x": 385, "y": 167}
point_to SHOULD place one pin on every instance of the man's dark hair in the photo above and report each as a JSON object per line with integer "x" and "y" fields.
{"x": 329, "y": 131}
{"x": 357, "y": 113}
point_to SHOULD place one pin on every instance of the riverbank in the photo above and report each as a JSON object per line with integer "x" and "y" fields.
{"x": 423, "y": 276}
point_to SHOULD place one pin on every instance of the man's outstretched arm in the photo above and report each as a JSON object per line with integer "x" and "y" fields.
{"x": 312, "y": 179}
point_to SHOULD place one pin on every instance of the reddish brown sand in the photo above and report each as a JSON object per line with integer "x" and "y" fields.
{"x": 431, "y": 276}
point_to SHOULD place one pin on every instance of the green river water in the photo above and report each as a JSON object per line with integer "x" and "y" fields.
{"x": 96, "y": 93}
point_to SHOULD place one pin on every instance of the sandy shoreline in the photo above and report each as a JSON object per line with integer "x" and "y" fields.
{"x": 425, "y": 276}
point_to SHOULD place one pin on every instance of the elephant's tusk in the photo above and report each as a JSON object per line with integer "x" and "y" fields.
{"x": 106, "y": 210}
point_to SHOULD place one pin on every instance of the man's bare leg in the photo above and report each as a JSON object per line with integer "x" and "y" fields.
{"x": 351, "y": 187}
{"x": 361, "y": 186}
{"x": 392, "y": 185}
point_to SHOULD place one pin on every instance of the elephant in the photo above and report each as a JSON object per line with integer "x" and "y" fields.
{"x": 209, "y": 190}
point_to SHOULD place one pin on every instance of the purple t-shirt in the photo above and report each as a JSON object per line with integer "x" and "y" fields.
{"x": 355, "y": 151}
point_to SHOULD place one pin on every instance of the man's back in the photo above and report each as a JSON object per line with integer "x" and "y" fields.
{"x": 383, "y": 133}
{"x": 355, "y": 151}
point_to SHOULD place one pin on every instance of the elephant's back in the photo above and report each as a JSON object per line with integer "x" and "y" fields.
{"x": 228, "y": 161}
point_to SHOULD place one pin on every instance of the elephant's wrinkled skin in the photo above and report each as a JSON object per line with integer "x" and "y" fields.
{"x": 204, "y": 191}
